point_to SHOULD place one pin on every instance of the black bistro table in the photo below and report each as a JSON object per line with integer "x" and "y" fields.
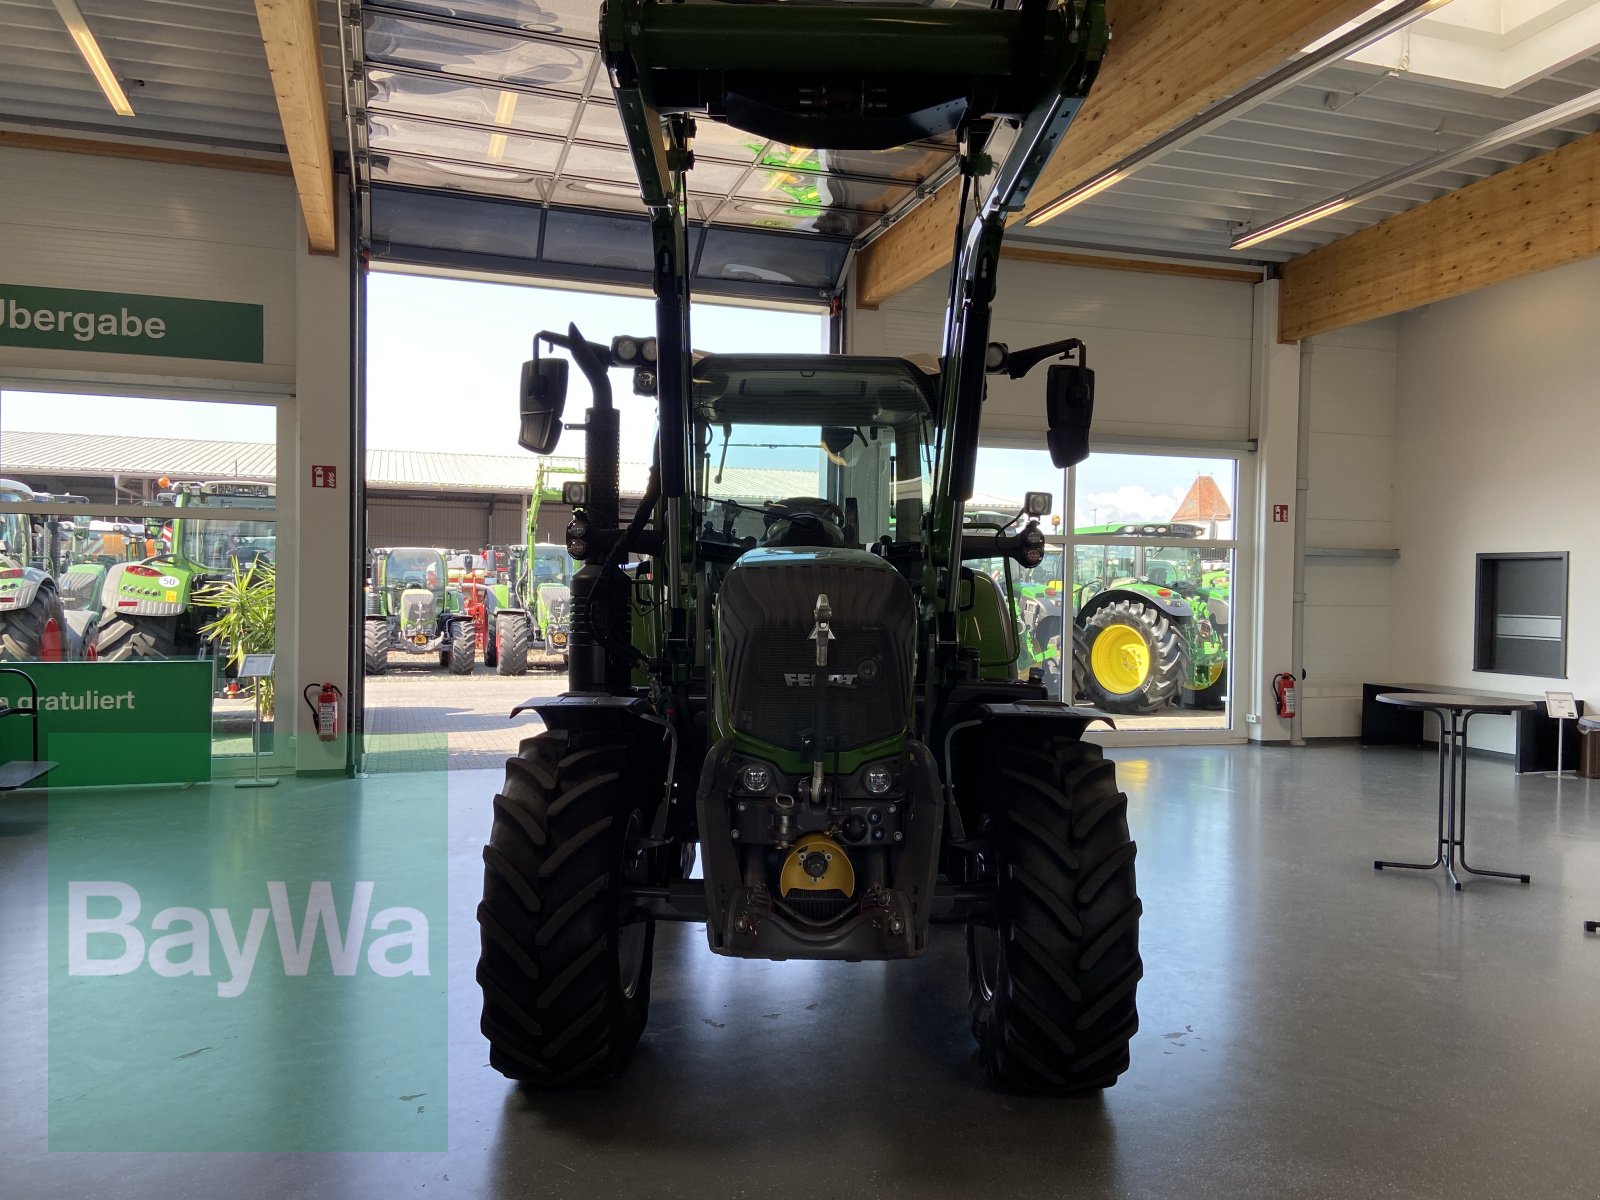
{"x": 1454, "y": 710}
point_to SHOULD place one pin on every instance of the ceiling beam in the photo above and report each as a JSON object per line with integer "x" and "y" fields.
{"x": 1143, "y": 266}
{"x": 294, "y": 55}
{"x": 17, "y": 140}
{"x": 1168, "y": 61}
{"x": 1531, "y": 217}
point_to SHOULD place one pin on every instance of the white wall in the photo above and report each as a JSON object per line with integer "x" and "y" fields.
{"x": 1171, "y": 354}
{"x": 1351, "y": 381}
{"x": 1496, "y": 445}
{"x": 120, "y": 225}
{"x": 78, "y": 221}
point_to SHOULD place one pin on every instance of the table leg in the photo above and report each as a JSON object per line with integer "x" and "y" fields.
{"x": 1439, "y": 840}
{"x": 1454, "y": 757}
{"x": 1462, "y": 843}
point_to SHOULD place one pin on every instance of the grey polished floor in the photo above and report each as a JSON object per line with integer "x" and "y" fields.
{"x": 1310, "y": 1028}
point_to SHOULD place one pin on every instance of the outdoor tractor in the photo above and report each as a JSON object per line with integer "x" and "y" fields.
{"x": 149, "y": 608}
{"x": 412, "y": 607}
{"x": 36, "y": 625}
{"x": 813, "y": 693}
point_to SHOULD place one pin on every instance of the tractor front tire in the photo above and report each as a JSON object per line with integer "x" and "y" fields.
{"x": 463, "y": 648}
{"x": 1054, "y": 980}
{"x": 375, "y": 647}
{"x": 513, "y": 633}
{"x": 565, "y": 970}
{"x": 1134, "y": 658}
{"x": 37, "y": 633}
{"x": 123, "y": 638}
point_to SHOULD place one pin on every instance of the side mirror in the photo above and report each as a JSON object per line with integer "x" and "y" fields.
{"x": 1069, "y": 408}
{"x": 544, "y": 398}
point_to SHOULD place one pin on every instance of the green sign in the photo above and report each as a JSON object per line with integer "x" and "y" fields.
{"x": 111, "y": 723}
{"x": 43, "y": 318}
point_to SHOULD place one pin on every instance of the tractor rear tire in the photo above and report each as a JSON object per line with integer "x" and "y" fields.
{"x": 37, "y": 633}
{"x": 123, "y": 638}
{"x": 463, "y": 648}
{"x": 1054, "y": 981}
{"x": 513, "y": 633}
{"x": 1134, "y": 658}
{"x": 375, "y": 647}
{"x": 565, "y": 971}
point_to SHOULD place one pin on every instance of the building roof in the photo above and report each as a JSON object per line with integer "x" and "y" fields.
{"x": 25, "y": 453}
{"x": 1204, "y": 502}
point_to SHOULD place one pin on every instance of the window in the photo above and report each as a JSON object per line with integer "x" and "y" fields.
{"x": 1522, "y": 614}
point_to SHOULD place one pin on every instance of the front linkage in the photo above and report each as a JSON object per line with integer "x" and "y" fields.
{"x": 812, "y": 689}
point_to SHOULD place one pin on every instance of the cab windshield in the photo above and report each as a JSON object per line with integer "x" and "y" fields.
{"x": 216, "y": 545}
{"x": 801, "y": 450}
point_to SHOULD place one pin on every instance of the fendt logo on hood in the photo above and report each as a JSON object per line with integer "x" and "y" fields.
{"x": 798, "y": 679}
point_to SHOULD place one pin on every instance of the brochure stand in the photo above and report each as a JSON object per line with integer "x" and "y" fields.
{"x": 1561, "y": 707}
{"x": 257, "y": 667}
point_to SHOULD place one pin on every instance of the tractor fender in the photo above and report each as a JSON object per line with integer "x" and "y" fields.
{"x": 19, "y": 591}
{"x": 1175, "y": 606}
{"x": 588, "y": 711}
{"x": 133, "y": 597}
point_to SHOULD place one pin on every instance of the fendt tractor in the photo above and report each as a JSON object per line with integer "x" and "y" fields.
{"x": 412, "y": 607}
{"x": 813, "y": 692}
{"x": 35, "y": 624}
{"x": 149, "y": 608}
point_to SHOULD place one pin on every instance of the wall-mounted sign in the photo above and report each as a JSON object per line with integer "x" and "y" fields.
{"x": 1280, "y": 514}
{"x": 112, "y": 723}
{"x": 324, "y": 477}
{"x": 42, "y": 318}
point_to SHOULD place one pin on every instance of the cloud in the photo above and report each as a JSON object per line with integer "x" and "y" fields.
{"x": 1131, "y": 502}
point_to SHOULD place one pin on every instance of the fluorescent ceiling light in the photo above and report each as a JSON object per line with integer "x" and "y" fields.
{"x": 1077, "y": 196}
{"x": 1506, "y": 135}
{"x": 503, "y": 113}
{"x": 72, "y": 17}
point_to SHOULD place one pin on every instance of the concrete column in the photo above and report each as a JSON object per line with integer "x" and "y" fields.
{"x": 319, "y": 435}
{"x": 1276, "y": 405}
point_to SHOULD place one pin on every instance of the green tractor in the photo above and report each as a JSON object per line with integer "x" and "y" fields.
{"x": 35, "y": 624}
{"x": 412, "y": 607}
{"x": 813, "y": 693}
{"x": 148, "y": 605}
{"x": 1152, "y": 621}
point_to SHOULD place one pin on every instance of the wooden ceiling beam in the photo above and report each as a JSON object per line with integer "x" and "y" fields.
{"x": 1168, "y": 61}
{"x": 293, "y": 42}
{"x": 18, "y": 140}
{"x": 1539, "y": 214}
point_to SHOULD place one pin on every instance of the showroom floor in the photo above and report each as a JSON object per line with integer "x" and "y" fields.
{"x": 1310, "y": 1028}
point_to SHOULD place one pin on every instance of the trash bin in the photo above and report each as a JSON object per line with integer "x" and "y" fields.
{"x": 1589, "y": 747}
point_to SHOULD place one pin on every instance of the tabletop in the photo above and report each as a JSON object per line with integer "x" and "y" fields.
{"x": 1457, "y": 700}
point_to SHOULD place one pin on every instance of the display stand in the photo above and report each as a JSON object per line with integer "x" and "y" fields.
{"x": 257, "y": 667}
{"x": 1561, "y": 708}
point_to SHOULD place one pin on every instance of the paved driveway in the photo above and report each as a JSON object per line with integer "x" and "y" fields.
{"x": 419, "y": 719}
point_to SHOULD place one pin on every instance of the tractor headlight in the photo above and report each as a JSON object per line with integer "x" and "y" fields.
{"x": 578, "y": 537}
{"x": 1031, "y": 553}
{"x": 877, "y": 780}
{"x": 647, "y": 350}
{"x": 756, "y": 777}
{"x": 625, "y": 349}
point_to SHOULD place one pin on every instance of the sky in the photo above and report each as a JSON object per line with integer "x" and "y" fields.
{"x": 444, "y": 361}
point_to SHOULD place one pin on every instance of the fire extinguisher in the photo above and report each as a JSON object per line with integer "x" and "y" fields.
{"x": 324, "y": 709}
{"x": 1283, "y": 687}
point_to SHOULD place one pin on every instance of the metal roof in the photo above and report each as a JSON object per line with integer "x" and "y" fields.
{"x": 489, "y": 133}
{"x": 194, "y": 71}
{"x": 24, "y": 452}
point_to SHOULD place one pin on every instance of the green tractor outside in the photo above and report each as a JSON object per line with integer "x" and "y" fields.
{"x": 811, "y": 693}
{"x": 1150, "y": 622}
{"x": 36, "y": 625}
{"x": 148, "y": 605}
{"x": 411, "y": 606}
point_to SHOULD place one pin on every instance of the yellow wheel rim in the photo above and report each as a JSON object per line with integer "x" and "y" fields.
{"x": 1120, "y": 659}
